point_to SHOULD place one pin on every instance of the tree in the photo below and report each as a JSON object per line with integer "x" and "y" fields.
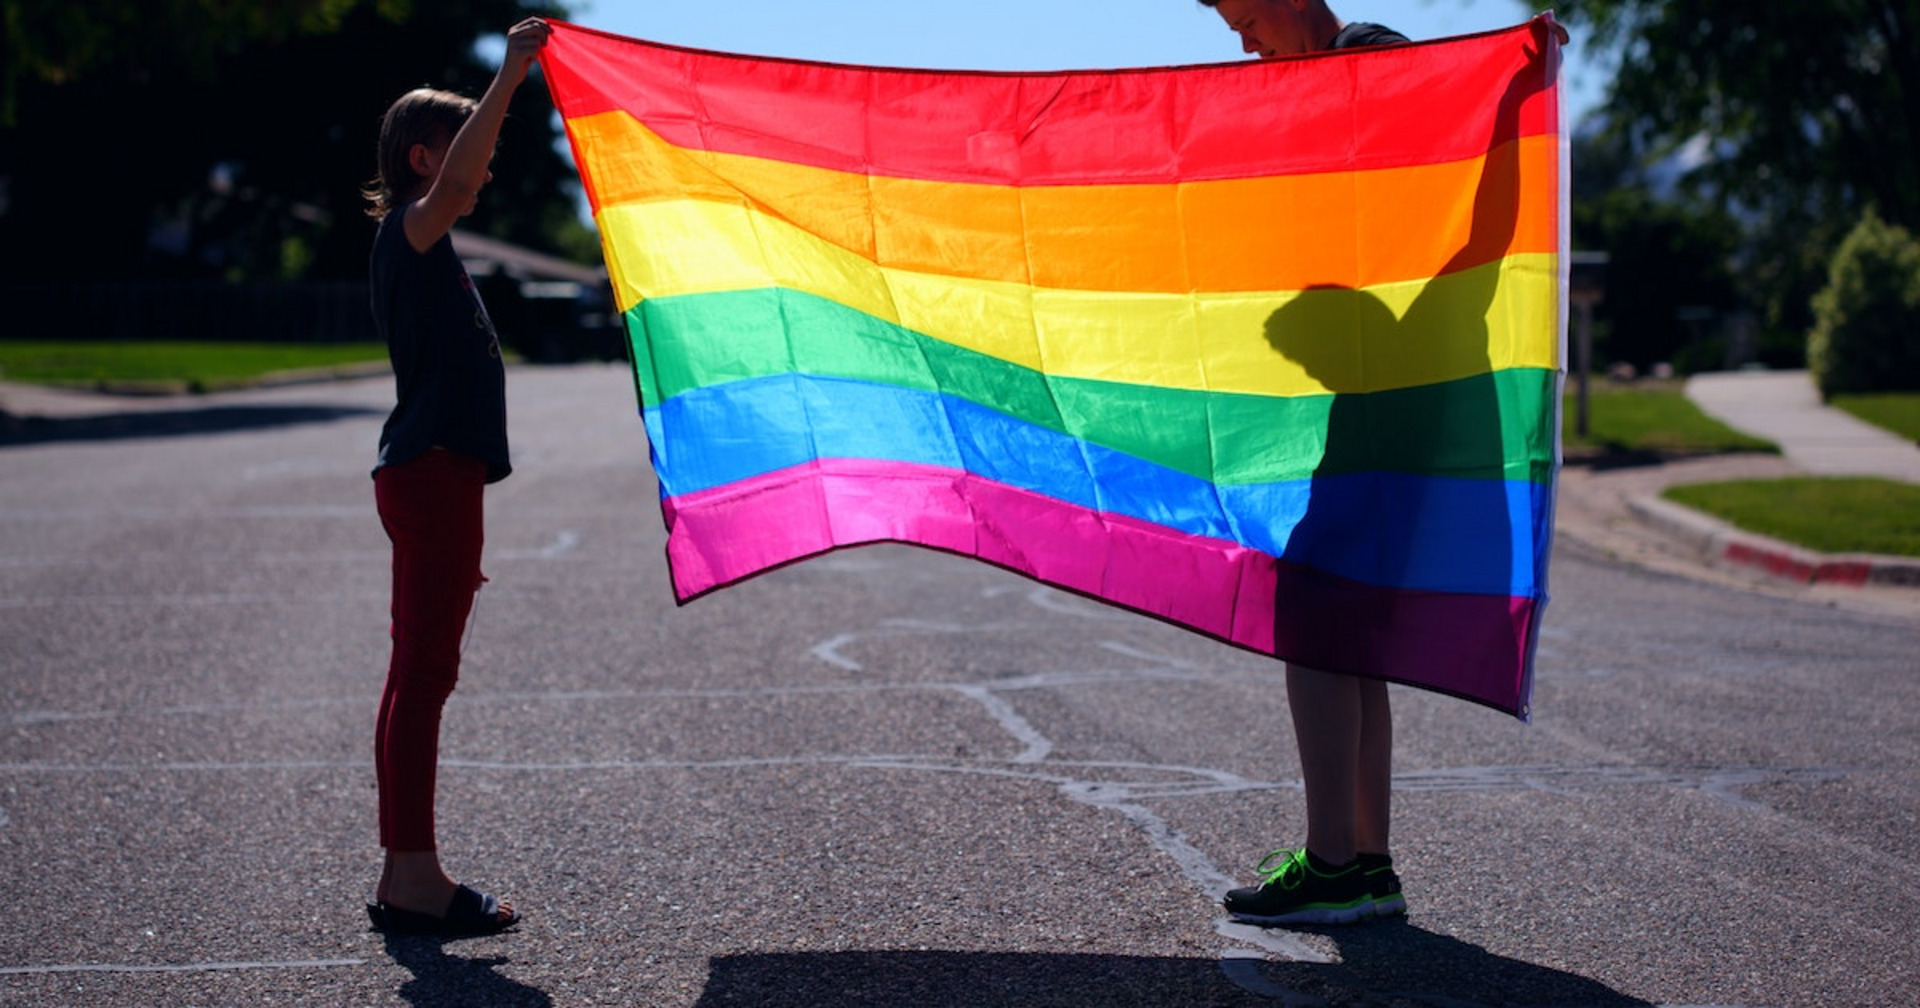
{"x": 61, "y": 43}
{"x": 1669, "y": 258}
{"x": 1798, "y": 115}
{"x": 1867, "y": 332}
{"x": 202, "y": 138}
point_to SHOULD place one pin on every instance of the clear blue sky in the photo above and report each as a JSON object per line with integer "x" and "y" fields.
{"x": 1023, "y": 34}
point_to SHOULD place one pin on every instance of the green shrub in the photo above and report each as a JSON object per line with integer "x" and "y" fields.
{"x": 1866, "y": 332}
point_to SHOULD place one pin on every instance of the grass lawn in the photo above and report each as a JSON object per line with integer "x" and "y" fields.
{"x": 1898, "y": 412}
{"x": 1648, "y": 417}
{"x": 1831, "y": 514}
{"x": 197, "y": 366}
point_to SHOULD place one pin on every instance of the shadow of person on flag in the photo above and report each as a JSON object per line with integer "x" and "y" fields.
{"x": 1415, "y": 534}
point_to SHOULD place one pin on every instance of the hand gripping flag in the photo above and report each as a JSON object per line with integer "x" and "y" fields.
{"x": 1270, "y": 350}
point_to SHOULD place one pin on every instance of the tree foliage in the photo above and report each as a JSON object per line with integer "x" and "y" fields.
{"x": 1798, "y": 115}
{"x": 205, "y": 138}
{"x": 47, "y": 42}
{"x": 1866, "y": 337}
{"x": 1671, "y": 260}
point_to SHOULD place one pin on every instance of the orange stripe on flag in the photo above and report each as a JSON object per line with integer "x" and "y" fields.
{"x": 1115, "y": 237}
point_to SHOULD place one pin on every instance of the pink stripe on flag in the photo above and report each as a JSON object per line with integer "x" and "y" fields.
{"x": 720, "y": 536}
{"x": 1326, "y": 622}
{"x": 725, "y": 535}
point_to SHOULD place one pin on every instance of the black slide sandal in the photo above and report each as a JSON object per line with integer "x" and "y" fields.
{"x": 471, "y": 914}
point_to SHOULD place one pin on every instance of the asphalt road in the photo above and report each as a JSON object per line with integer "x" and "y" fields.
{"x": 882, "y": 777}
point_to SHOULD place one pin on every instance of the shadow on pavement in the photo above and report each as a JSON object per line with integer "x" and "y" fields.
{"x": 1383, "y": 964}
{"x": 1395, "y": 962}
{"x": 446, "y": 980}
{"x": 1616, "y": 458}
{"x": 17, "y": 430}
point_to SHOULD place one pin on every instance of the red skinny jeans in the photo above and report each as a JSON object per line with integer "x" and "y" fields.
{"x": 431, "y": 508}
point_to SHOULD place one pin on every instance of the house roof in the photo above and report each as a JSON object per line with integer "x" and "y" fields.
{"x": 521, "y": 262}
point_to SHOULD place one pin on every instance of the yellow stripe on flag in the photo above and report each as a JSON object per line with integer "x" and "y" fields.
{"x": 1211, "y": 341}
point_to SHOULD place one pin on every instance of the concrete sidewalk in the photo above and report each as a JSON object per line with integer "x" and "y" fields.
{"x": 1619, "y": 511}
{"x": 1785, "y": 408}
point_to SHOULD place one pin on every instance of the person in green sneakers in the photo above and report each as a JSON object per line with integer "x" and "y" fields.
{"x": 1343, "y": 723}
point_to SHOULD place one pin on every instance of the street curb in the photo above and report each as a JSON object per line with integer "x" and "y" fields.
{"x": 1717, "y": 541}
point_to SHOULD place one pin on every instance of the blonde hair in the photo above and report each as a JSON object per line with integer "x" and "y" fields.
{"x": 421, "y": 116}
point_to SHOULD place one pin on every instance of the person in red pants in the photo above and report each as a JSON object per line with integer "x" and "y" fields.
{"x": 445, "y": 440}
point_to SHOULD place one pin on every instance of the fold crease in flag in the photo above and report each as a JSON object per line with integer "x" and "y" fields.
{"x": 1271, "y": 350}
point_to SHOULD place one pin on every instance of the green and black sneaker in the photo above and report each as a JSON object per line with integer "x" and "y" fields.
{"x": 1383, "y": 885}
{"x": 1299, "y": 889}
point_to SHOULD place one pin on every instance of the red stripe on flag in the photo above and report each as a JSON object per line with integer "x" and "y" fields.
{"x": 1231, "y": 120}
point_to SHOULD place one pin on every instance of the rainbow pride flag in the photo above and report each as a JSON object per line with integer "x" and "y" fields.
{"x": 1271, "y": 350}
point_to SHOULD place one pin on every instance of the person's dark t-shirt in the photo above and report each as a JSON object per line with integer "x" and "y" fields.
{"x": 1362, "y": 33}
{"x": 450, "y": 382}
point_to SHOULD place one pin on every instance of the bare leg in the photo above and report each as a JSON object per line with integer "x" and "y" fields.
{"x": 414, "y": 880}
{"x": 1344, "y": 725}
{"x": 1373, "y": 801}
{"x": 1327, "y": 722}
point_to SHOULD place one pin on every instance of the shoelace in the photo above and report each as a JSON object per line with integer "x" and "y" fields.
{"x": 1288, "y": 873}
